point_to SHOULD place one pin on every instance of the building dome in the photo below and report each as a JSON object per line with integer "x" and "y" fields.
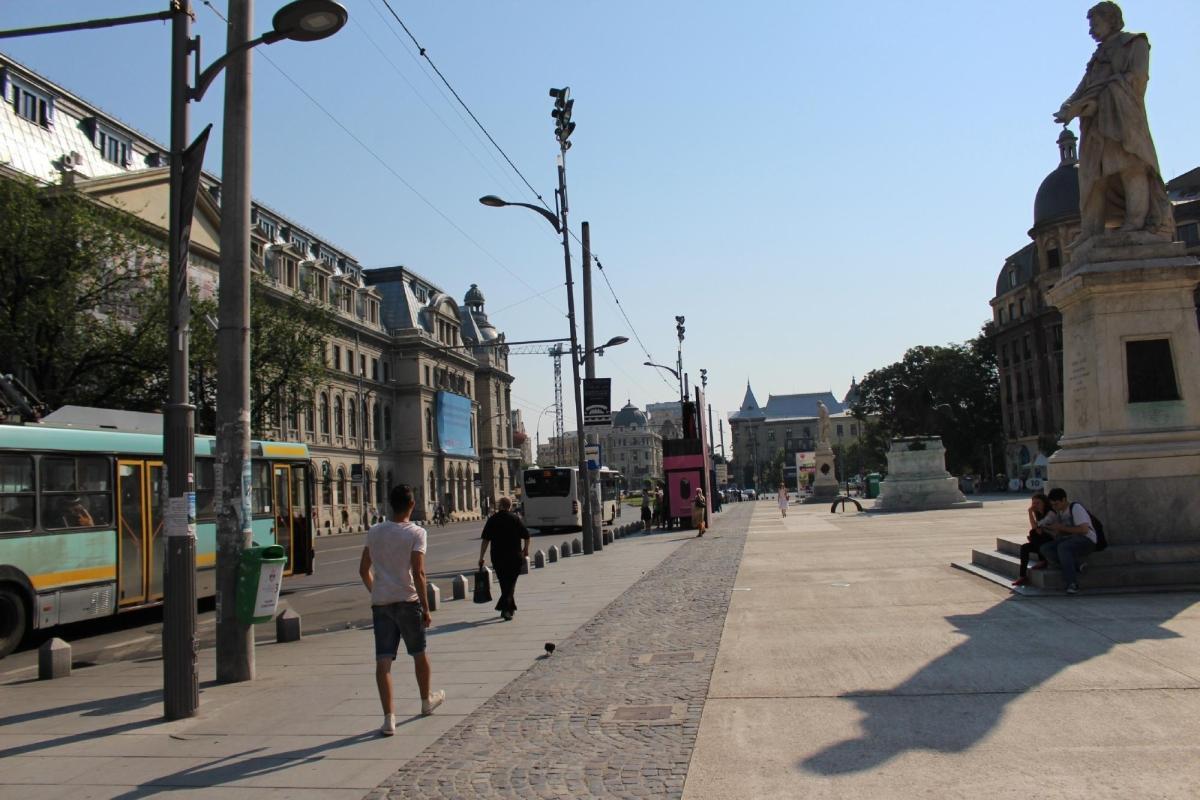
{"x": 1058, "y": 196}
{"x": 474, "y": 297}
{"x": 629, "y": 417}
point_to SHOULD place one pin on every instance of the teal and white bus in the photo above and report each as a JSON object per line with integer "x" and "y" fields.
{"x": 81, "y": 521}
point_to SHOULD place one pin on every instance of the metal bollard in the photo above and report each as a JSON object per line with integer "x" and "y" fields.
{"x": 287, "y": 626}
{"x": 459, "y": 587}
{"x": 54, "y": 660}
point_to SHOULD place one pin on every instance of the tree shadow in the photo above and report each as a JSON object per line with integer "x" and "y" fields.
{"x": 241, "y": 766}
{"x": 953, "y": 702}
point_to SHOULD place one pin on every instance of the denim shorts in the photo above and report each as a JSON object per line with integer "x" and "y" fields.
{"x": 397, "y": 621}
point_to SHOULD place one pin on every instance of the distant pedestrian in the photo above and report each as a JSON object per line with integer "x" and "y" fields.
{"x": 699, "y": 508}
{"x": 660, "y": 509}
{"x": 782, "y": 498}
{"x": 392, "y": 568}
{"x": 509, "y": 538}
{"x": 647, "y": 511}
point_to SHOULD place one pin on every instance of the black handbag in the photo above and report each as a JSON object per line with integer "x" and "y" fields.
{"x": 483, "y": 586}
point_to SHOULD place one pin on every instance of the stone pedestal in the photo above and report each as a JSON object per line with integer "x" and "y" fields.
{"x": 1130, "y": 450}
{"x": 917, "y": 479}
{"x": 825, "y": 485}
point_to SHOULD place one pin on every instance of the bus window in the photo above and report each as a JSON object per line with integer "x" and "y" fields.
{"x": 205, "y": 489}
{"x": 548, "y": 483}
{"x": 16, "y": 493}
{"x": 261, "y": 488}
{"x": 75, "y": 492}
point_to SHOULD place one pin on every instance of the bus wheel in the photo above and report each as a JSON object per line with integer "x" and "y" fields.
{"x": 14, "y": 619}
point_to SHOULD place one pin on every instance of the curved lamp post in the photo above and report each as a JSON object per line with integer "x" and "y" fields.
{"x": 301, "y": 20}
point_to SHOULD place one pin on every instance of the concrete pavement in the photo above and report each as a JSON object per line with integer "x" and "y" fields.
{"x": 306, "y": 727}
{"x": 856, "y": 663}
{"x": 814, "y": 656}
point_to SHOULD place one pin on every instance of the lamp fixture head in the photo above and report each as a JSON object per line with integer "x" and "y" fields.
{"x": 309, "y": 20}
{"x": 493, "y": 201}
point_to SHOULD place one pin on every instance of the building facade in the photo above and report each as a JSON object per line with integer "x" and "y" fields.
{"x": 788, "y": 422}
{"x": 403, "y": 353}
{"x": 1028, "y": 331}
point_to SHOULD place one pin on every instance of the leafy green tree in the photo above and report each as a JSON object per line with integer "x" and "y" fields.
{"x": 950, "y": 391}
{"x": 772, "y": 471}
{"x": 70, "y": 270}
{"x": 84, "y": 315}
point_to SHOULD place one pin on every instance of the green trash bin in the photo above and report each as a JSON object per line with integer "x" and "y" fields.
{"x": 873, "y": 485}
{"x": 260, "y": 574}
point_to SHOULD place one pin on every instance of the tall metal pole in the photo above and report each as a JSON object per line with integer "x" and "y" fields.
{"x": 235, "y": 641}
{"x": 181, "y": 694}
{"x": 589, "y": 345}
{"x": 581, "y": 456}
{"x": 362, "y": 435}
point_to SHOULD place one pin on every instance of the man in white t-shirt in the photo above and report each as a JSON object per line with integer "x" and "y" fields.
{"x": 1074, "y": 538}
{"x": 392, "y": 568}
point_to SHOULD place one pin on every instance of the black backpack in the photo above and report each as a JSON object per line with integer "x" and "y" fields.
{"x": 1097, "y": 526}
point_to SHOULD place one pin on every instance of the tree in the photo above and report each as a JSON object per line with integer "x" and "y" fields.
{"x": 84, "y": 316}
{"x": 951, "y": 392}
{"x": 70, "y": 270}
{"x": 772, "y": 471}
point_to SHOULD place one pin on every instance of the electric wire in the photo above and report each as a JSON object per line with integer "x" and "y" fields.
{"x": 382, "y": 162}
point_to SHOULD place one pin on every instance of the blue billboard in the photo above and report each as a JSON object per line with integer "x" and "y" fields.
{"x": 454, "y": 424}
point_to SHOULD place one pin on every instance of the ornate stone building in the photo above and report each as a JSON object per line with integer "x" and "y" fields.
{"x": 633, "y": 447}
{"x": 1029, "y": 330}
{"x": 404, "y": 350}
{"x": 788, "y": 422}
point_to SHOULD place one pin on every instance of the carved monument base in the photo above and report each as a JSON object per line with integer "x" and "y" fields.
{"x": 825, "y": 485}
{"x": 1131, "y": 397}
{"x": 917, "y": 479}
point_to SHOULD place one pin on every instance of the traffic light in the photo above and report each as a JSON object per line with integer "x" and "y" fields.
{"x": 563, "y": 127}
{"x": 679, "y": 327}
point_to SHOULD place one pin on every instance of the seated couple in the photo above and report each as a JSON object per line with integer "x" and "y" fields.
{"x": 1062, "y": 533}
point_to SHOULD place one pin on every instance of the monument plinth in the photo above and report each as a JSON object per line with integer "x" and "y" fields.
{"x": 825, "y": 486}
{"x": 917, "y": 479}
{"x": 1130, "y": 448}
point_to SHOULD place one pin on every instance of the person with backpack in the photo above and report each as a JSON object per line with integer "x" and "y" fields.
{"x": 1076, "y": 536}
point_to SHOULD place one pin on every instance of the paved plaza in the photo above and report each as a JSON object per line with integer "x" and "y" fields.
{"x": 814, "y": 656}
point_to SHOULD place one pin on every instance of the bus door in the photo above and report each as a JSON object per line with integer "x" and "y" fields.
{"x": 283, "y": 514}
{"x": 140, "y": 545}
{"x": 302, "y": 532}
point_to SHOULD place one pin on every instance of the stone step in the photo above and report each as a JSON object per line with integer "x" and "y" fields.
{"x": 1011, "y": 547}
{"x": 1124, "y": 575}
{"x": 1002, "y": 564}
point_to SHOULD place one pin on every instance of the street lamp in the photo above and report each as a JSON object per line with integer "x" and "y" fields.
{"x": 661, "y": 366}
{"x": 302, "y": 20}
{"x": 613, "y": 342}
{"x": 562, "y": 132}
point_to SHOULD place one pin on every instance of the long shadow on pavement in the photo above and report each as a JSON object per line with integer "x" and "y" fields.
{"x": 954, "y": 701}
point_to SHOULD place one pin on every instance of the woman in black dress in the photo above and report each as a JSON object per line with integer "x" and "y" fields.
{"x": 509, "y": 538}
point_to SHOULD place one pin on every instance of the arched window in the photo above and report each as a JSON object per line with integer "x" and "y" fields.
{"x": 323, "y": 413}
{"x": 326, "y": 484}
{"x": 337, "y": 417}
{"x": 351, "y": 420}
{"x": 387, "y": 424}
{"x": 308, "y": 418}
{"x": 339, "y": 486}
{"x": 428, "y": 426}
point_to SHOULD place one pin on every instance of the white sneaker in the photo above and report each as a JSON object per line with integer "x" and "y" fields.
{"x": 389, "y": 725}
{"x": 433, "y": 701}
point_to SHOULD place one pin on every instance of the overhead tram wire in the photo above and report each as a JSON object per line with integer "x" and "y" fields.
{"x": 423, "y": 68}
{"x": 397, "y": 175}
{"x": 424, "y": 54}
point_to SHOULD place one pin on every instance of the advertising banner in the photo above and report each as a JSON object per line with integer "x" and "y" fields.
{"x": 806, "y": 462}
{"x": 597, "y": 402}
{"x": 454, "y": 424}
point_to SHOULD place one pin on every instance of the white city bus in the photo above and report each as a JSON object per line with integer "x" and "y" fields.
{"x": 610, "y": 495}
{"x": 551, "y": 499}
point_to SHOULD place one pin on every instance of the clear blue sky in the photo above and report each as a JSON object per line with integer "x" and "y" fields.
{"x": 816, "y": 186}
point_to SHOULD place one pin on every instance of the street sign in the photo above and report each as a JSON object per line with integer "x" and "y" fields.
{"x": 591, "y": 452}
{"x": 597, "y": 402}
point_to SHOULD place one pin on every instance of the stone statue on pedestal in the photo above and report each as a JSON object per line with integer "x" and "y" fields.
{"x": 1119, "y": 179}
{"x": 823, "y": 429}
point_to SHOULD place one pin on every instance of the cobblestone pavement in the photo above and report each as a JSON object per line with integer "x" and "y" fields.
{"x": 569, "y": 727}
